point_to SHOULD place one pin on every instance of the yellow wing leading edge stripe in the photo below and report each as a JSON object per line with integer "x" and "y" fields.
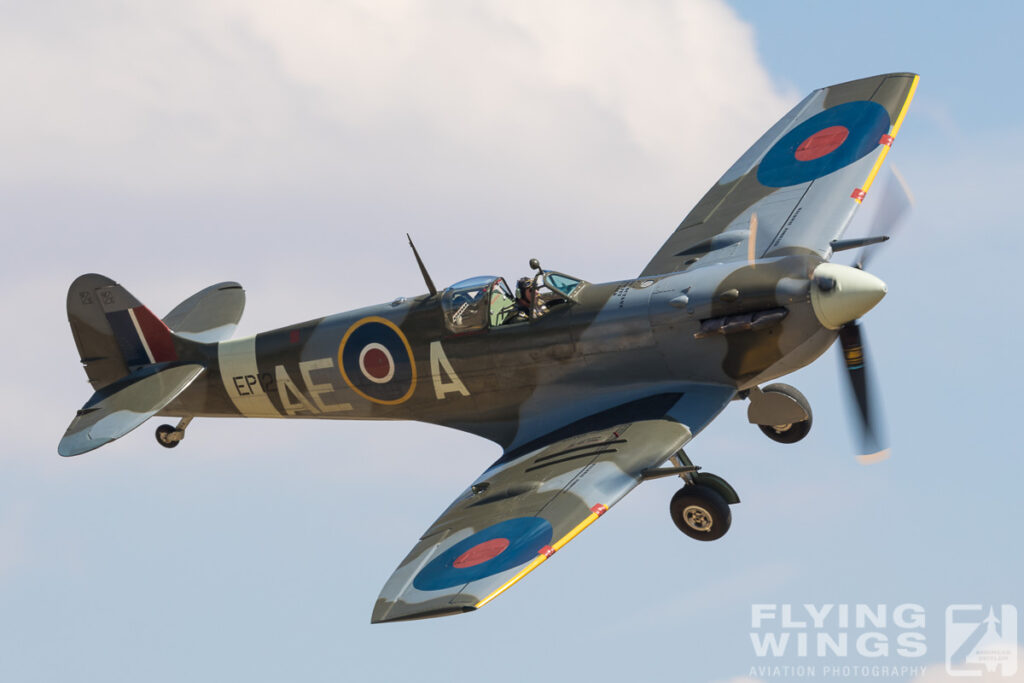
{"x": 546, "y": 552}
{"x": 859, "y": 194}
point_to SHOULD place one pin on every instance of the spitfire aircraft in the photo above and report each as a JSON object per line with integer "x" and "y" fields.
{"x": 589, "y": 389}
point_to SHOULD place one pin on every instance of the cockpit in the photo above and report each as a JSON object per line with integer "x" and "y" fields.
{"x": 486, "y": 301}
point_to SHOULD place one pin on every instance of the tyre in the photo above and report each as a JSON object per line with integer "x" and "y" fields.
{"x": 163, "y": 436}
{"x": 700, "y": 512}
{"x": 788, "y": 433}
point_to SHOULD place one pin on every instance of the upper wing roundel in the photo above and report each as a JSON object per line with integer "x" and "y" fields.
{"x": 800, "y": 183}
{"x": 824, "y": 143}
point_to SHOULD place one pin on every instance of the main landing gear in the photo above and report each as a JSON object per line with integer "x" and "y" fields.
{"x": 780, "y": 411}
{"x": 701, "y": 508}
{"x": 168, "y": 436}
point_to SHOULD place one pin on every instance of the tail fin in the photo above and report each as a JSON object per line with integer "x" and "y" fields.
{"x": 115, "y": 334}
{"x": 135, "y": 363}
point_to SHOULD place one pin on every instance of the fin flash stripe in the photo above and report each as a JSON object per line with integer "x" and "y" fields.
{"x": 142, "y": 337}
{"x": 546, "y": 552}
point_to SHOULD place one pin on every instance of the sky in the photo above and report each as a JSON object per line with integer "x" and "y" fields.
{"x": 290, "y": 147}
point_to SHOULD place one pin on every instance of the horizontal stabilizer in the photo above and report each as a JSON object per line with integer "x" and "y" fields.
{"x": 125, "y": 404}
{"x": 210, "y": 315}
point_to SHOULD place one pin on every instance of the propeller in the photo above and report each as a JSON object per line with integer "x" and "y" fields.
{"x": 894, "y": 205}
{"x": 871, "y": 438}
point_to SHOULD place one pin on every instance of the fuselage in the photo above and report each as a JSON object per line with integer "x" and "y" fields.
{"x": 727, "y": 324}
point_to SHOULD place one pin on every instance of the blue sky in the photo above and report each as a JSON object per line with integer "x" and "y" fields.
{"x": 290, "y": 148}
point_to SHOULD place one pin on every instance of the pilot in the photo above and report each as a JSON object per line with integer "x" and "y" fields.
{"x": 528, "y": 303}
{"x": 524, "y": 298}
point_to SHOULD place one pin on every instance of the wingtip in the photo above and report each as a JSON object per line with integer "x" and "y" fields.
{"x": 78, "y": 443}
{"x": 385, "y": 615}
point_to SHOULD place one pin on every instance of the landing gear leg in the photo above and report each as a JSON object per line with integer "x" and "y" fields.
{"x": 701, "y": 508}
{"x": 682, "y": 461}
{"x": 168, "y": 436}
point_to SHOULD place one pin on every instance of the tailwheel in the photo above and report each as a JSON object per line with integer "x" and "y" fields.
{"x": 168, "y": 436}
{"x": 700, "y": 512}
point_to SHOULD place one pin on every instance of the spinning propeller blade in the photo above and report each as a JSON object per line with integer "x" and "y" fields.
{"x": 895, "y": 202}
{"x": 855, "y": 358}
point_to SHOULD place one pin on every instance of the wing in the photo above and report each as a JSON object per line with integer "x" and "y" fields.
{"x": 799, "y": 185}
{"x": 529, "y": 504}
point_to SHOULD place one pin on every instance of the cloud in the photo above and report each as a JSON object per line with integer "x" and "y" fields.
{"x": 936, "y": 673}
{"x": 316, "y": 95}
{"x": 284, "y": 144}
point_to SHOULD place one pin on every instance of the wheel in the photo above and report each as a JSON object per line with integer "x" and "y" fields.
{"x": 700, "y": 512}
{"x": 789, "y": 433}
{"x": 164, "y": 436}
